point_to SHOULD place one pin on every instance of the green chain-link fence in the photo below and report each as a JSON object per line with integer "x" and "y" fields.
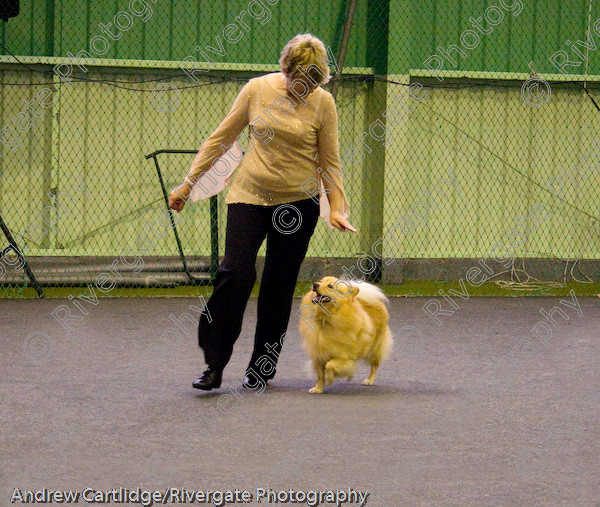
{"x": 467, "y": 133}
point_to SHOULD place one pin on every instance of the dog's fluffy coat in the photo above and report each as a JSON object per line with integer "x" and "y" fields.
{"x": 342, "y": 322}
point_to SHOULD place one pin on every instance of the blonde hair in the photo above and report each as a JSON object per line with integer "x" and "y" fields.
{"x": 305, "y": 55}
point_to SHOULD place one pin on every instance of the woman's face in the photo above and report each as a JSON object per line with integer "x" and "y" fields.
{"x": 299, "y": 78}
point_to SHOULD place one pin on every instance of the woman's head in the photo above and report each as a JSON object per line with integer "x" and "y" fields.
{"x": 305, "y": 58}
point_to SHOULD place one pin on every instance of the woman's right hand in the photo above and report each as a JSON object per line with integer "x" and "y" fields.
{"x": 179, "y": 196}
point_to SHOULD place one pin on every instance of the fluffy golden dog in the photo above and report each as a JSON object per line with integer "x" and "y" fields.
{"x": 342, "y": 322}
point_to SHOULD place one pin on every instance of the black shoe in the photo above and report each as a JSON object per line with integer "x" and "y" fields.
{"x": 250, "y": 382}
{"x": 210, "y": 379}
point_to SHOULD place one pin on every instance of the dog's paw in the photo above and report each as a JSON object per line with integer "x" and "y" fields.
{"x": 315, "y": 390}
{"x": 367, "y": 382}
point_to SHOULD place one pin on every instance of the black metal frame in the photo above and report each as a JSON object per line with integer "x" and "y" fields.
{"x": 21, "y": 257}
{"x": 214, "y": 225}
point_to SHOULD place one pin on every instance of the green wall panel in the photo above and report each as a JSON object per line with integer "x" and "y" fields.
{"x": 418, "y": 28}
{"x": 173, "y": 30}
{"x": 535, "y": 34}
{"x": 102, "y": 135}
{"x": 487, "y": 136}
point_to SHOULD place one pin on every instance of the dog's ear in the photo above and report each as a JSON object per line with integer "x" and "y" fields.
{"x": 354, "y": 291}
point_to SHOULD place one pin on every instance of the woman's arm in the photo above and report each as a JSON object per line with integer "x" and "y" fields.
{"x": 214, "y": 147}
{"x": 329, "y": 162}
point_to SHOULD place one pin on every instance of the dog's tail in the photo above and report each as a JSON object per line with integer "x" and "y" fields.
{"x": 387, "y": 343}
{"x": 382, "y": 346}
{"x": 369, "y": 292}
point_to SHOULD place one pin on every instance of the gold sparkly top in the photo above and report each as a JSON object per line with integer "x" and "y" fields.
{"x": 293, "y": 144}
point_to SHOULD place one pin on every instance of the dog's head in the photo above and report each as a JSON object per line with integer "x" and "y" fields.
{"x": 332, "y": 292}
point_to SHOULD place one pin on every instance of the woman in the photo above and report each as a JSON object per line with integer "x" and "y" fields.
{"x": 293, "y": 140}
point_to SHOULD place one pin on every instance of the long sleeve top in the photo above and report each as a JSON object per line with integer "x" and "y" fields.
{"x": 293, "y": 145}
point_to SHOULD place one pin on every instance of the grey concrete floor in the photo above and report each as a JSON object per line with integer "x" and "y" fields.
{"x": 473, "y": 412}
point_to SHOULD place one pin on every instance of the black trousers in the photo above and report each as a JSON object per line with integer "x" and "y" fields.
{"x": 288, "y": 229}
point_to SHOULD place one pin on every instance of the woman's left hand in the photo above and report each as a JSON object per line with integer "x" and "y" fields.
{"x": 339, "y": 222}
